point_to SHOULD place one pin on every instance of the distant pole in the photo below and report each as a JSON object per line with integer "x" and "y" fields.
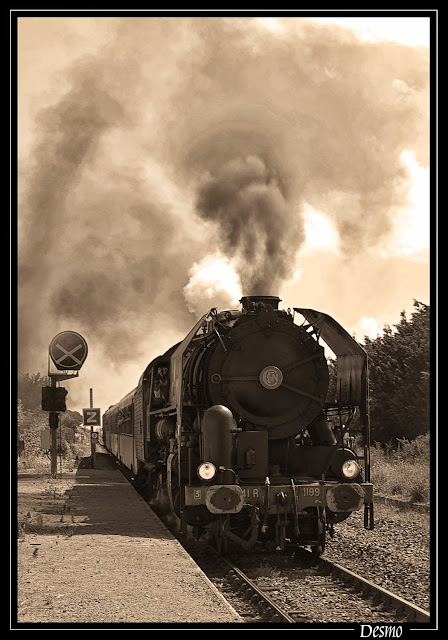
{"x": 92, "y": 441}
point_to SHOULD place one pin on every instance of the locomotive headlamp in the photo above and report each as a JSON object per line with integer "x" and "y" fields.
{"x": 350, "y": 469}
{"x": 206, "y": 471}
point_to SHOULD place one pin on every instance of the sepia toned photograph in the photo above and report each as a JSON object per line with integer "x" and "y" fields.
{"x": 223, "y": 337}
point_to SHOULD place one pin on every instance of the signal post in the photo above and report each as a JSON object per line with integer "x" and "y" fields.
{"x": 53, "y": 419}
{"x": 68, "y": 351}
{"x": 92, "y": 418}
{"x": 92, "y": 441}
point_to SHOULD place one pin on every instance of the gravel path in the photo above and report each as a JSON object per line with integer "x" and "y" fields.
{"x": 98, "y": 554}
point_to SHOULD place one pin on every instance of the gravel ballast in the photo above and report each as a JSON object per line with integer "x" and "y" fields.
{"x": 395, "y": 555}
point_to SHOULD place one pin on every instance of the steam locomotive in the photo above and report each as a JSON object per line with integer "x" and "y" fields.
{"x": 233, "y": 429}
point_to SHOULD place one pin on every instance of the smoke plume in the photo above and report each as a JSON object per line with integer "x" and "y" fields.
{"x": 184, "y": 140}
{"x": 213, "y": 283}
{"x": 255, "y": 221}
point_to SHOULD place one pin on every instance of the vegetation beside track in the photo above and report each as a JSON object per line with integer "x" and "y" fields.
{"x": 403, "y": 472}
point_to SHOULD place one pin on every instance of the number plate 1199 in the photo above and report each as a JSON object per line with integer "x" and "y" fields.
{"x": 310, "y": 491}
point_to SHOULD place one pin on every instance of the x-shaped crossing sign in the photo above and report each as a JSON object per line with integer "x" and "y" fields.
{"x": 68, "y": 350}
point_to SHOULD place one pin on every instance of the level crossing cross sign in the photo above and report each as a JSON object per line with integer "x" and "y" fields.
{"x": 92, "y": 417}
{"x": 68, "y": 350}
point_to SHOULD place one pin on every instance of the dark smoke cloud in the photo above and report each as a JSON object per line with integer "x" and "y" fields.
{"x": 327, "y": 113}
{"x": 257, "y": 225}
{"x": 100, "y": 246}
{"x": 186, "y": 137}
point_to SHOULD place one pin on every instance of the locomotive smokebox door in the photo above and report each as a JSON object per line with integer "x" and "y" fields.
{"x": 269, "y": 372}
{"x": 252, "y": 454}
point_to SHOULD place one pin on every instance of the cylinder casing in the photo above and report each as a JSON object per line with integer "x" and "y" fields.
{"x": 217, "y": 426}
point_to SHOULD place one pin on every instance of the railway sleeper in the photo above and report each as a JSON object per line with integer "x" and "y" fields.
{"x": 247, "y": 592}
{"x": 400, "y": 610}
{"x": 376, "y": 598}
{"x": 268, "y": 612}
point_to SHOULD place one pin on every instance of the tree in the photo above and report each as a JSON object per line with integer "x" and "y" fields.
{"x": 29, "y": 425}
{"x": 399, "y": 364}
{"x": 31, "y": 420}
{"x": 71, "y": 419}
{"x": 332, "y": 380}
{"x": 29, "y": 389}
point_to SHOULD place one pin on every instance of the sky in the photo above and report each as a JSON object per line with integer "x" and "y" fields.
{"x": 167, "y": 166}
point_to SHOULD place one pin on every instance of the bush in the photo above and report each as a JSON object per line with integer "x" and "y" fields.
{"x": 403, "y": 471}
{"x": 414, "y": 450}
{"x": 31, "y": 420}
{"x": 36, "y": 462}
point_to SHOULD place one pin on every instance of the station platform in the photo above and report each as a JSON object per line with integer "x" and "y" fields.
{"x": 115, "y": 563}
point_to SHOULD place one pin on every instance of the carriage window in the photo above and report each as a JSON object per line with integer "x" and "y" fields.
{"x": 124, "y": 420}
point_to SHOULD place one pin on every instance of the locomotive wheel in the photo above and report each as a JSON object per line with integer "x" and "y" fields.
{"x": 222, "y": 545}
{"x": 221, "y": 540}
{"x": 319, "y": 548}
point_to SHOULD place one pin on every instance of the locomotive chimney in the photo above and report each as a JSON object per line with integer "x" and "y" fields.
{"x": 246, "y": 301}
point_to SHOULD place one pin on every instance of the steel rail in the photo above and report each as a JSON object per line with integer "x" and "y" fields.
{"x": 368, "y": 588}
{"x": 270, "y": 610}
{"x": 238, "y": 580}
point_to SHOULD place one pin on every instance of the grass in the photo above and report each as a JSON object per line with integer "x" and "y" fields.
{"x": 403, "y": 472}
{"x": 42, "y": 507}
{"x": 40, "y": 462}
{"x": 265, "y": 569}
{"x": 35, "y": 462}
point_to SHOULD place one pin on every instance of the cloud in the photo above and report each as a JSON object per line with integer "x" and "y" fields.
{"x": 410, "y": 235}
{"x": 180, "y": 139}
{"x": 320, "y": 233}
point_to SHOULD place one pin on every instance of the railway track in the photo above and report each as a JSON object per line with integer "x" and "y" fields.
{"x": 268, "y": 608}
{"x": 267, "y": 603}
{"x": 411, "y": 612}
{"x": 388, "y": 606}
